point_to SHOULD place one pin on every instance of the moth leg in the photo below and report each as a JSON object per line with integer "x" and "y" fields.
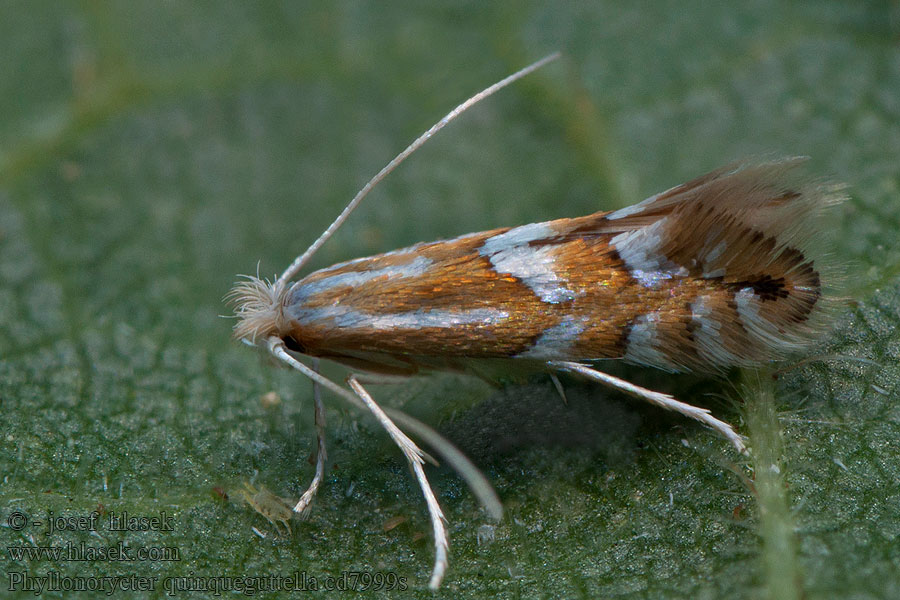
{"x": 476, "y": 480}
{"x": 302, "y": 505}
{"x": 656, "y": 398}
{"x": 465, "y": 468}
{"x": 382, "y": 379}
{"x": 414, "y": 457}
{"x": 559, "y": 387}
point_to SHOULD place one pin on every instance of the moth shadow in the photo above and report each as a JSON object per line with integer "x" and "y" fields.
{"x": 591, "y": 419}
{"x": 525, "y": 417}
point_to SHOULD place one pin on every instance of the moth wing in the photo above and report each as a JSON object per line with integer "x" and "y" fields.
{"x": 748, "y": 227}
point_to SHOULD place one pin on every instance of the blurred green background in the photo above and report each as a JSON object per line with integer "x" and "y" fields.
{"x": 150, "y": 151}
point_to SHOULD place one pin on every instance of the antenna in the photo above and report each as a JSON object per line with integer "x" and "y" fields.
{"x": 301, "y": 260}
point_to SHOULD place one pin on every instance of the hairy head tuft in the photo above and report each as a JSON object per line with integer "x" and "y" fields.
{"x": 259, "y": 306}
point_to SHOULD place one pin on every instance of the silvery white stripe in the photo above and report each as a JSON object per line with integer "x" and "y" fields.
{"x": 749, "y": 305}
{"x": 714, "y": 254}
{"x": 640, "y": 249}
{"x": 643, "y": 345}
{"x": 510, "y": 253}
{"x": 633, "y": 209}
{"x": 302, "y": 291}
{"x": 556, "y": 342}
{"x": 348, "y": 318}
{"x": 516, "y": 236}
{"x": 708, "y": 336}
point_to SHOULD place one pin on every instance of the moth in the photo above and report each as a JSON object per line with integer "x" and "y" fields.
{"x": 711, "y": 274}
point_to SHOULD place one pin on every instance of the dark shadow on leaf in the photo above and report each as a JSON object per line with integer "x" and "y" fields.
{"x": 524, "y": 417}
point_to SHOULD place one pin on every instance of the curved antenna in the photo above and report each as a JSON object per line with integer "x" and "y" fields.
{"x": 301, "y": 260}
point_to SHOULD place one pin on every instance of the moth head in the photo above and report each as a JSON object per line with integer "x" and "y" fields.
{"x": 259, "y": 307}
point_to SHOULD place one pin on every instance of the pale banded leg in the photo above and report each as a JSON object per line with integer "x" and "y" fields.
{"x": 451, "y": 454}
{"x": 379, "y": 379}
{"x": 303, "y": 504}
{"x": 465, "y": 468}
{"x": 656, "y": 398}
{"x": 459, "y": 462}
{"x": 475, "y": 479}
{"x": 414, "y": 456}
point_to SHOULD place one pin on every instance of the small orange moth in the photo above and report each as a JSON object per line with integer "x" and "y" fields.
{"x": 711, "y": 274}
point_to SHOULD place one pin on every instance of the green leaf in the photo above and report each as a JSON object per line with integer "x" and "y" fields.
{"x": 149, "y": 152}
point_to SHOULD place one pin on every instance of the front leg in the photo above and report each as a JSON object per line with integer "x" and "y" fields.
{"x": 415, "y": 458}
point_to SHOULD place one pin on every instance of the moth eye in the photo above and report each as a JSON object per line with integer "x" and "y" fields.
{"x": 293, "y": 344}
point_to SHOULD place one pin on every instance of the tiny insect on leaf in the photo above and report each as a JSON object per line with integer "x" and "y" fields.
{"x": 711, "y": 274}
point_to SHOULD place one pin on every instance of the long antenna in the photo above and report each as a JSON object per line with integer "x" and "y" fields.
{"x": 301, "y": 260}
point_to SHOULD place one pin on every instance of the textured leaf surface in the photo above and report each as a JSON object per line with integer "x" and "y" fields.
{"x": 150, "y": 151}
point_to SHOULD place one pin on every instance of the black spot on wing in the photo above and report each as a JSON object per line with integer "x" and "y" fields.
{"x": 767, "y": 289}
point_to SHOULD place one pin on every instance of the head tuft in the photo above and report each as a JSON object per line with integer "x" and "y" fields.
{"x": 259, "y": 306}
